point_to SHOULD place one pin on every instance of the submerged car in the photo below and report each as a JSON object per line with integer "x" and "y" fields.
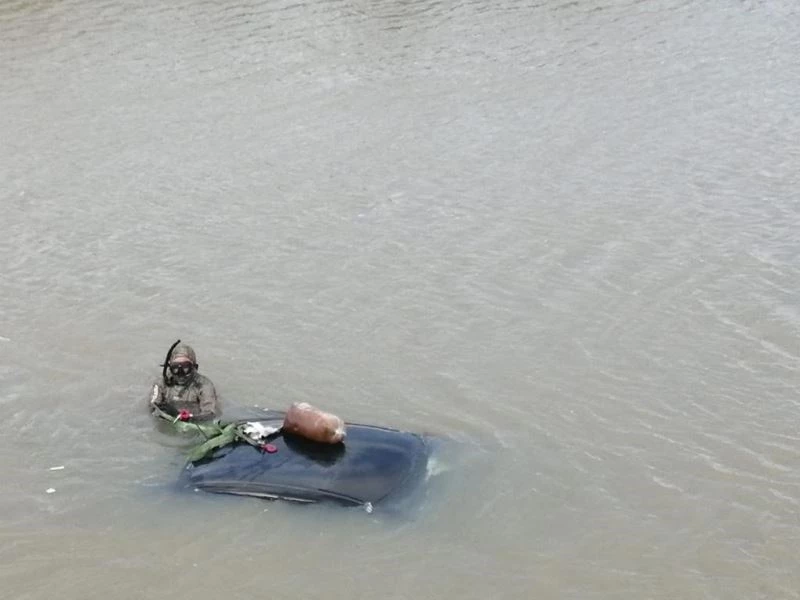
{"x": 371, "y": 465}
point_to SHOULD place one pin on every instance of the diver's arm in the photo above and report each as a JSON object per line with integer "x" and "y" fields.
{"x": 156, "y": 395}
{"x": 209, "y": 404}
{"x": 158, "y": 404}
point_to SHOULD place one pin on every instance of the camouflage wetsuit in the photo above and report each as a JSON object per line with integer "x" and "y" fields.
{"x": 197, "y": 394}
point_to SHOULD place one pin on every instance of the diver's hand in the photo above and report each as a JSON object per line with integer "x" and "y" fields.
{"x": 184, "y": 415}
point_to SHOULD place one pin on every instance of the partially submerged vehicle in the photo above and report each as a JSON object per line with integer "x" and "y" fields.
{"x": 258, "y": 457}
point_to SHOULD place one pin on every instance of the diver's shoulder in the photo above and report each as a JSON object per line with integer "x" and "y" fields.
{"x": 201, "y": 380}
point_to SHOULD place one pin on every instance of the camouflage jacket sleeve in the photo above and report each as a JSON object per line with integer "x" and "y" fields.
{"x": 209, "y": 404}
{"x": 156, "y": 395}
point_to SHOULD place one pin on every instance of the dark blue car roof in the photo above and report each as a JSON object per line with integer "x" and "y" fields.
{"x": 371, "y": 464}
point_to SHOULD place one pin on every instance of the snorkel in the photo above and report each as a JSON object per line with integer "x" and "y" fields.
{"x": 166, "y": 364}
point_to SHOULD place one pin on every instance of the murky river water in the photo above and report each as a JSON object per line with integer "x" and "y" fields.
{"x": 565, "y": 235}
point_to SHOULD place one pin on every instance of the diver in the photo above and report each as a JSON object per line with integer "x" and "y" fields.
{"x": 181, "y": 392}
